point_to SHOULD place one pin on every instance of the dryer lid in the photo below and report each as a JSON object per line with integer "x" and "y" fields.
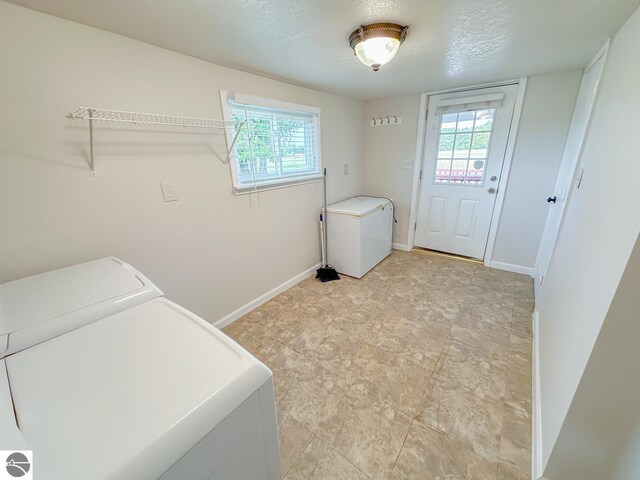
{"x": 37, "y": 308}
{"x": 127, "y": 396}
{"x": 358, "y": 206}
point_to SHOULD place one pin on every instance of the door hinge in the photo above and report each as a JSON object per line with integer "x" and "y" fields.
{"x": 415, "y": 226}
{"x": 420, "y": 178}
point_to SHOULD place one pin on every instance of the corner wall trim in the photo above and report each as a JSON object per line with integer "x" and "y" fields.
{"x": 536, "y": 410}
{"x": 401, "y": 246}
{"x": 417, "y": 167}
{"x": 264, "y": 298}
{"x": 510, "y": 267}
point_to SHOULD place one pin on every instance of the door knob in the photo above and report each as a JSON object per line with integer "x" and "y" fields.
{"x": 492, "y": 190}
{"x": 493, "y": 178}
{"x": 552, "y": 199}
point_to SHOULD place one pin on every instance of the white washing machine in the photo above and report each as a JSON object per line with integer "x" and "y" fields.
{"x": 102, "y": 378}
{"x": 359, "y": 232}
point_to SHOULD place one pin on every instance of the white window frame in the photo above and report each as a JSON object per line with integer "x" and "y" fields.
{"x": 271, "y": 183}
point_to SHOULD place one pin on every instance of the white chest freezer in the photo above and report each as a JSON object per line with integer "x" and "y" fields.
{"x": 102, "y": 378}
{"x": 359, "y": 232}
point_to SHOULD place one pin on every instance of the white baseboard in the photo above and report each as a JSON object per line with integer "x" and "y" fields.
{"x": 401, "y": 246}
{"x": 510, "y": 267}
{"x": 253, "y": 304}
{"x": 536, "y": 409}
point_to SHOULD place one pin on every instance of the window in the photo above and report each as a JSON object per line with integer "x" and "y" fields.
{"x": 280, "y": 146}
{"x": 463, "y": 147}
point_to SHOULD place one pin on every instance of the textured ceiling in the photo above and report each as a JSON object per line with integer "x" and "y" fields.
{"x": 450, "y": 42}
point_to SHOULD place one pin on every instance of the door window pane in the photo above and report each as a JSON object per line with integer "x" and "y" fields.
{"x": 463, "y": 147}
{"x": 484, "y": 120}
{"x": 465, "y": 121}
{"x": 445, "y": 149}
{"x": 480, "y": 144}
{"x": 463, "y": 143}
{"x": 443, "y": 169}
{"x": 449, "y": 121}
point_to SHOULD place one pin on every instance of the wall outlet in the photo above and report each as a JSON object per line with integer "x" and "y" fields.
{"x": 346, "y": 169}
{"x": 406, "y": 164}
{"x": 168, "y": 192}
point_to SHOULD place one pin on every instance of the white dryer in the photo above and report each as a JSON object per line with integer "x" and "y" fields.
{"x": 102, "y": 378}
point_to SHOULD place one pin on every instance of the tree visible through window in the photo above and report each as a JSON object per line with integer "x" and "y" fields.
{"x": 463, "y": 147}
{"x": 278, "y": 145}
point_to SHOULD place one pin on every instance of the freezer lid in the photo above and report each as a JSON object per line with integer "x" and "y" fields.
{"x": 43, "y": 306}
{"x": 358, "y": 206}
{"x": 128, "y": 395}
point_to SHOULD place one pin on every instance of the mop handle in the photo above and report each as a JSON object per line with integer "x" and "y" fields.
{"x": 324, "y": 218}
{"x": 324, "y": 260}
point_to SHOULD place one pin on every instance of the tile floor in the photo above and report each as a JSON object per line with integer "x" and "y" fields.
{"x": 419, "y": 370}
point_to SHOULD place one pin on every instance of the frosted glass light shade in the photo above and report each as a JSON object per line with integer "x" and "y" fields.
{"x": 377, "y": 43}
{"x": 375, "y": 52}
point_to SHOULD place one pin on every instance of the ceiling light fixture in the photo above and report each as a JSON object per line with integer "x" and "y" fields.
{"x": 378, "y": 43}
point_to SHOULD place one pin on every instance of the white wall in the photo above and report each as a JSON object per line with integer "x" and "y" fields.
{"x": 210, "y": 251}
{"x": 600, "y": 228}
{"x": 544, "y": 125}
{"x": 546, "y": 116}
{"x": 600, "y": 437}
{"x": 387, "y": 149}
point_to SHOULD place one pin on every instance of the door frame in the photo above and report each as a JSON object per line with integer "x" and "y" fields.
{"x": 506, "y": 165}
{"x": 602, "y": 54}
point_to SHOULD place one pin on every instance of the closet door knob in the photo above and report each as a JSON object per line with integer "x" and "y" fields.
{"x": 552, "y": 199}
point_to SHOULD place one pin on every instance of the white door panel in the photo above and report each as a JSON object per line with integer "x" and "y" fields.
{"x": 437, "y": 215}
{"x": 466, "y": 218}
{"x": 465, "y": 145}
{"x": 569, "y": 165}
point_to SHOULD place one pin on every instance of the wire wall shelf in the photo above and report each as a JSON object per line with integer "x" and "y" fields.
{"x": 136, "y": 118}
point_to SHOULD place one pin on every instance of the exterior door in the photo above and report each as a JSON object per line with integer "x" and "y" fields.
{"x": 568, "y": 166}
{"x": 466, "y": 140}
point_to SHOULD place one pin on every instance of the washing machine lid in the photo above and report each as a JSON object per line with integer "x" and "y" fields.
{"x": 358, "y": 206}
{"x": 127, "y": 396}
{"x": 38, "y": 308}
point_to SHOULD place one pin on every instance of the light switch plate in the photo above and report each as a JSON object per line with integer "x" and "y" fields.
{"x": 168, "y": 192}
{"x": 346, "y": 169}
{"x": 406, "y": 164}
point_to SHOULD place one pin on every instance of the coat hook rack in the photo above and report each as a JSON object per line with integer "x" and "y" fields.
{"x": 98, "y": 114}
{"x": 385, "y": 121}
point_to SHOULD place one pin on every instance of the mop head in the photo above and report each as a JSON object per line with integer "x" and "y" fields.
{"x": 327, "y": 273}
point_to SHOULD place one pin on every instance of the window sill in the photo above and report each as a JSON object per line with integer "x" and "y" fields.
{"x": 276, "y": 184}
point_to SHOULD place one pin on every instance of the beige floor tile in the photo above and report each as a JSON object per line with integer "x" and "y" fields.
{"x": 294, "y": 438}
{"x": 312, "y": 395}
{"x": 283, "y": 364}
{"x": 488, "y": 347}
{"x": 430, "y": 455}
{"x": 344, "y": 355}
{"x": 297, "y": 296}
{"x": 515, "y": 441}
{"x": 518, "y": 376}
{"x": 367, "y": 432}
{"x": 420, "y": 342}
{"x": 311, "y": 335}
{"x": 521, "y": 322}
{"x": 320, "y": 462}
{"x": 484, "y": 316}
{"x": 508, "y": 472}
{"x": 365, "y": 324}
{"x": 523, "y": 298}
{"x": 424, "y": 334}
{"x": 466, "y": 376}
{"x": 465, "y": 417}
{"x": 396, "y": 380}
